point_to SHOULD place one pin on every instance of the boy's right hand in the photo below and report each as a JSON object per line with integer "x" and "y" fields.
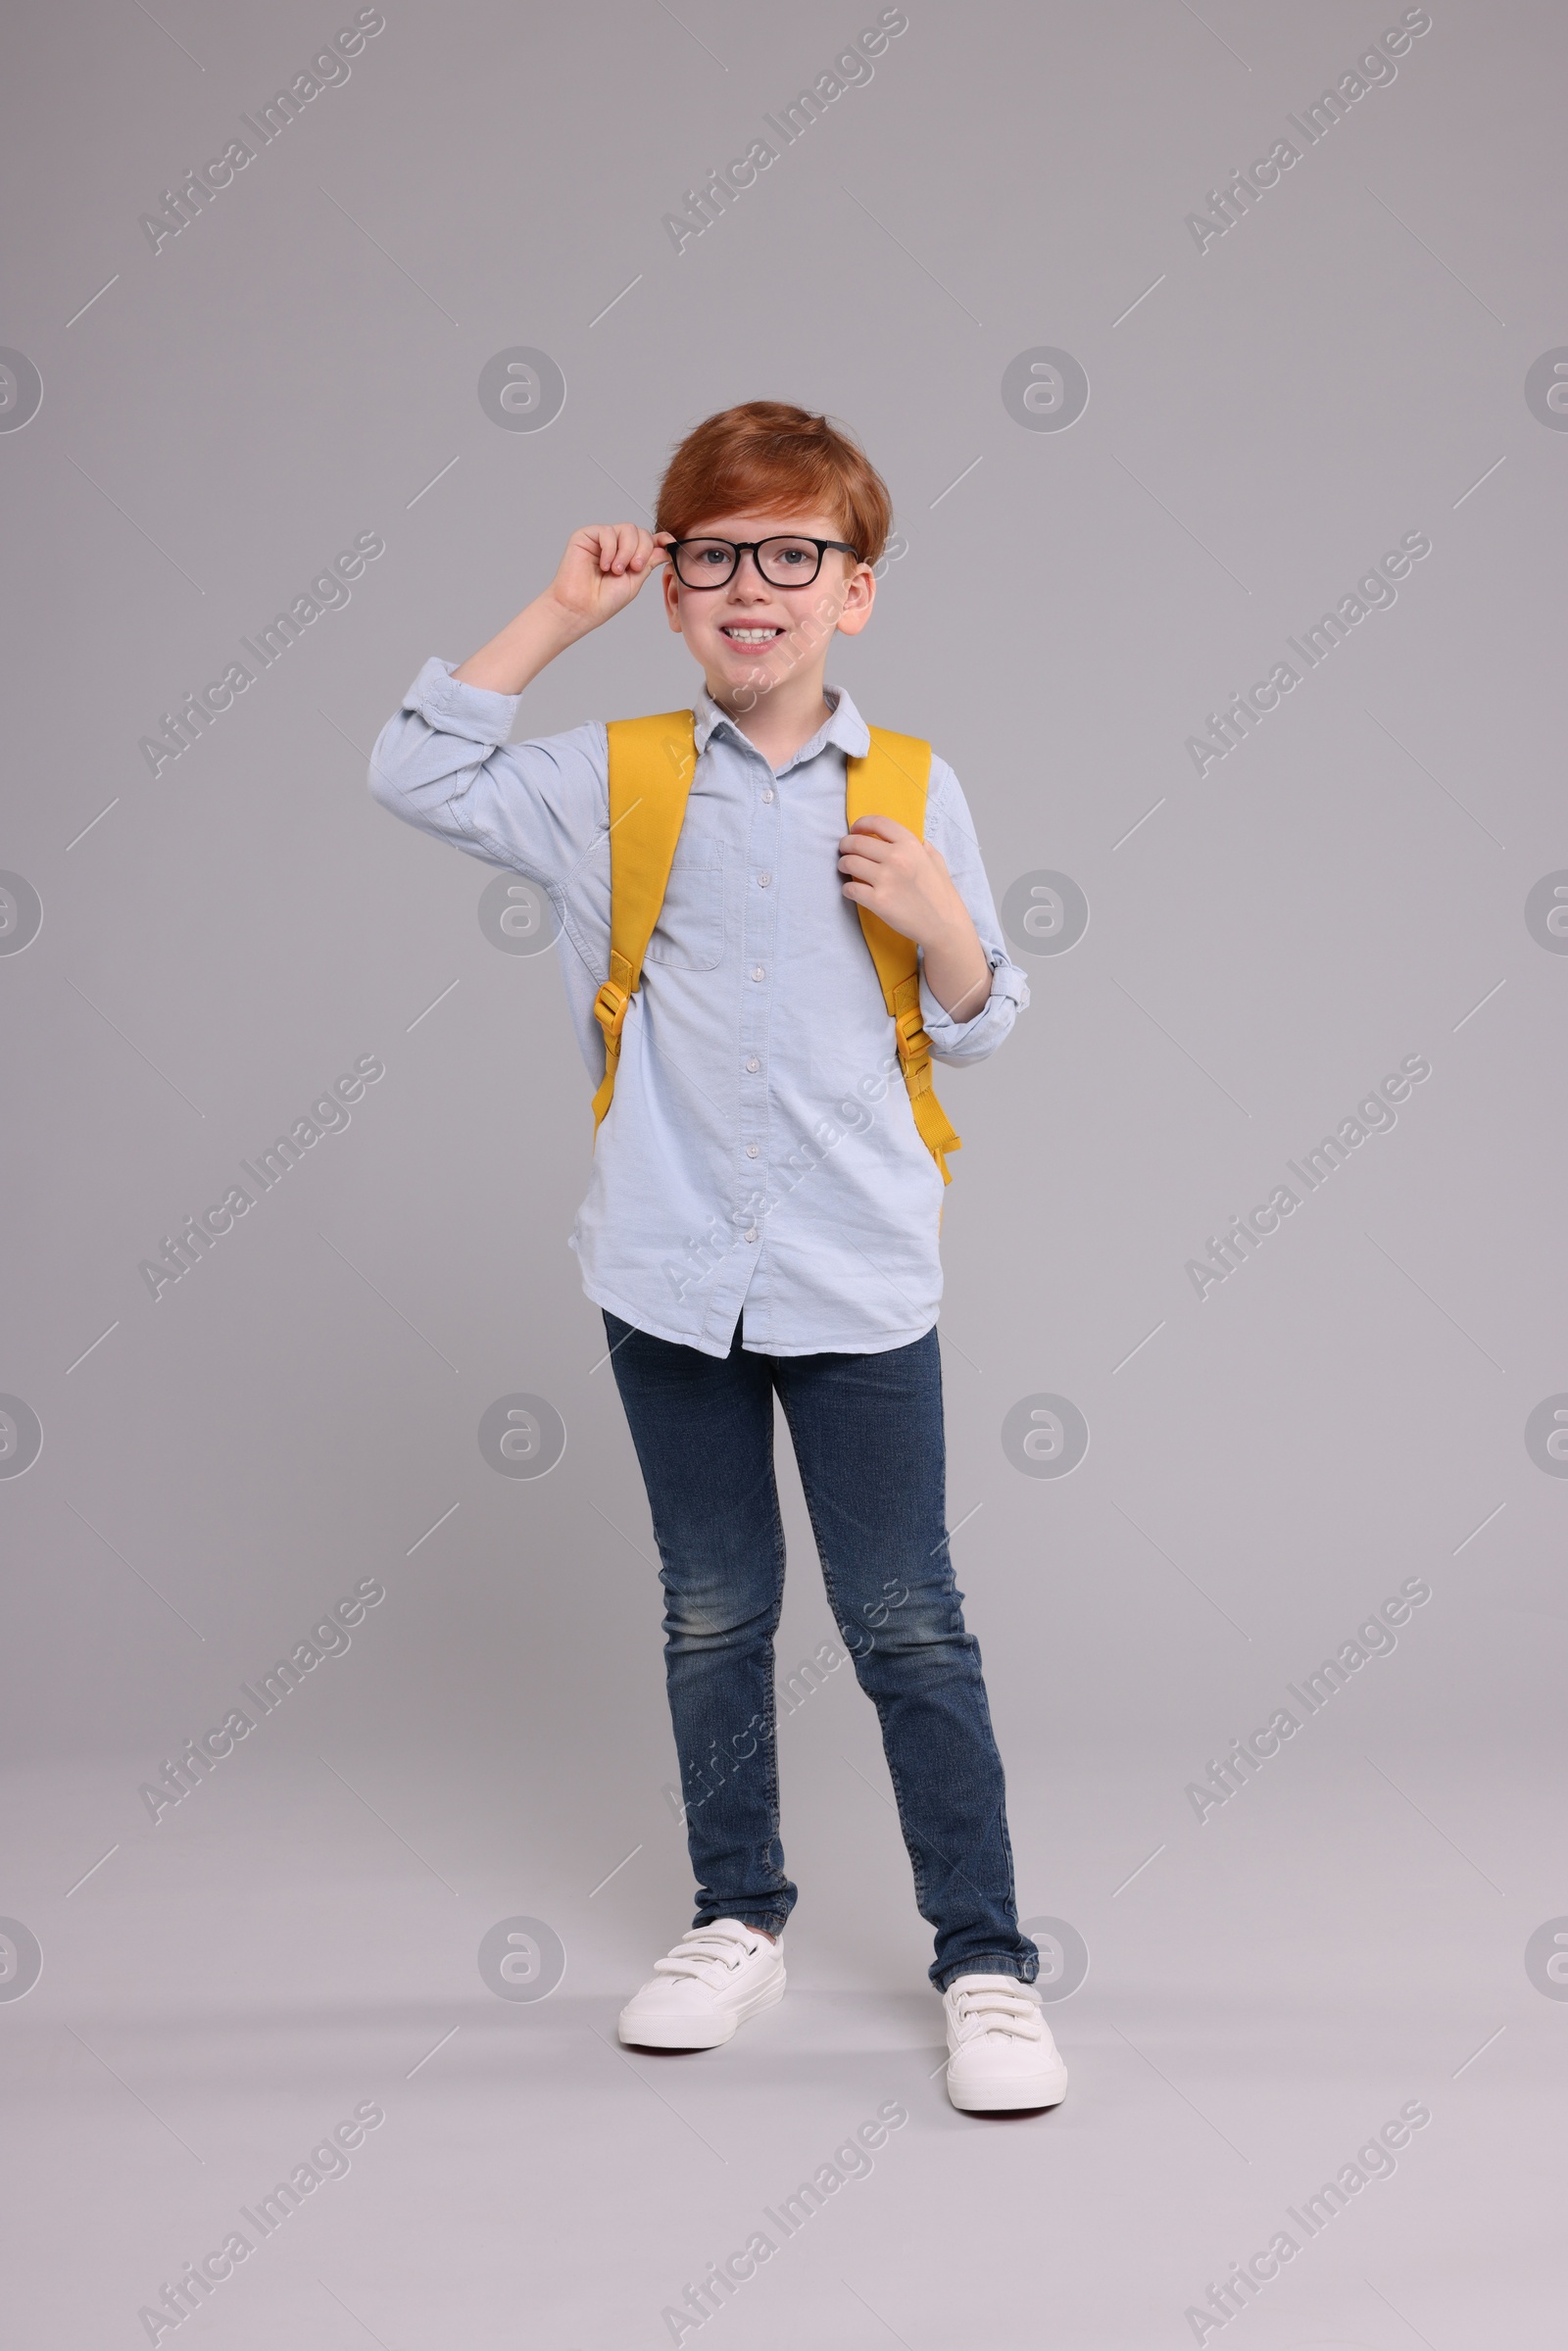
{"x": 602, "y": 569}
{"x": 604, "y": 566}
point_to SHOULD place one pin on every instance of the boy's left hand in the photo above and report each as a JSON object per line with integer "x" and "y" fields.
{"x": 903, "y": 880}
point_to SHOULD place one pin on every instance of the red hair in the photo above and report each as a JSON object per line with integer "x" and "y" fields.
{"x": 768, "y": 457}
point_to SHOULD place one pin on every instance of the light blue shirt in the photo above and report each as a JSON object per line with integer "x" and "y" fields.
{"x": 760, "y": 1150}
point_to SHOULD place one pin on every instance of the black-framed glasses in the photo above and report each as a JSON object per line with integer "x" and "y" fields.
{"x": 787, "y": 562}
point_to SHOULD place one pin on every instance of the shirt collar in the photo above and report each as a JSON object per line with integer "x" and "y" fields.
{"x": 844, "y": 729}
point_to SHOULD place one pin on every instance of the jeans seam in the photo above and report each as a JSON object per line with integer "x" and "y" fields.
{"x": 775, "y": 1837}
{"x": 829, "y": 1584}
{"x": 914, "y": 1852}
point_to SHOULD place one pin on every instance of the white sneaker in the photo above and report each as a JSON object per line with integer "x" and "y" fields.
{"x": 714, "y": 1978}
{"x": 1003, "y": 2056}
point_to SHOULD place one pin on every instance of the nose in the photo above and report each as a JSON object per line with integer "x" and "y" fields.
{"x": 738, "y": 579}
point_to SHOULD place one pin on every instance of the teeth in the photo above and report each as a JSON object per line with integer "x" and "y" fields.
{"x": 753, "y": 636}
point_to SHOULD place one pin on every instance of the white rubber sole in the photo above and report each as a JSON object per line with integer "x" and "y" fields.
{"x": 651, "y": 2030}
{"x": 1020, "y": 2094}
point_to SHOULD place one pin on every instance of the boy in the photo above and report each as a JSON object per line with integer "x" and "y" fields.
{"x": 766, "y": 1182}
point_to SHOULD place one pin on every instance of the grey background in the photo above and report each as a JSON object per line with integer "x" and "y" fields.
{"x": 1348, "y": 887}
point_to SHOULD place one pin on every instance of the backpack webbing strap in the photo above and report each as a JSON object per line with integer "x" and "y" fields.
{"x": 891, "y": 780}
{"x": 651, "y": 762}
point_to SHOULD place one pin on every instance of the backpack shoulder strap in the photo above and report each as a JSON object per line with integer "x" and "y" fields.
{"x": 651, "y": 762}
{"x": 891, "y": 780}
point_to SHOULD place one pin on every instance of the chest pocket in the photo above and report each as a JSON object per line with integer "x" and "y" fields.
{"x": 689, "y": 935}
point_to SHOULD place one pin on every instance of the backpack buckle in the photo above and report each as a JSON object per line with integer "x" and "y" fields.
{"x": 914, "y": 1047}
{"x": 610, "y": 1008}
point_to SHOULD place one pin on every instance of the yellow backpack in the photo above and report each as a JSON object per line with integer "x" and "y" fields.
{"x": 651, "y": 762}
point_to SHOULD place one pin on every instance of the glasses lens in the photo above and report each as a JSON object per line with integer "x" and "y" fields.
{"x": 788, "y": 562}
{"x": 704, "y": 563}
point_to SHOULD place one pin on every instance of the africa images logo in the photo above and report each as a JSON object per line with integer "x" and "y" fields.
{"x": 1374, "y": 1114}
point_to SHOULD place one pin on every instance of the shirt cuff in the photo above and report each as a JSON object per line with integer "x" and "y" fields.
{"x": 948, "y": 1035}
{"x": 454, "y": 708}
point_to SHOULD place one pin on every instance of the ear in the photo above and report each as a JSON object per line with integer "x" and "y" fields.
{"x": 860, "y": 595}
{"x": 671, "y": 591}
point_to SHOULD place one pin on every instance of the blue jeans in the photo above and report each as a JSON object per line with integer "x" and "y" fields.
{"x": 868, "y": 1440}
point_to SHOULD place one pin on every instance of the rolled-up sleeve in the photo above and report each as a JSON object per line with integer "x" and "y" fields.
{"x": 950, "y": 829}
{"x": 442, "y": 762}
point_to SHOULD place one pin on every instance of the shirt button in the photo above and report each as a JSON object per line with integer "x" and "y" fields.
{"x": 757, "y": 972}
{"x": 768, "y": 793}
{"x": 752, "y": 1150}
{"x": 752, "y": 1235}
{"x": 753, "y": 1062}
{"x": 763, "y": 879}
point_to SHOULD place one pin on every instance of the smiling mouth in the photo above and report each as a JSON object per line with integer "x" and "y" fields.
{"x": 752, "y": 636}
